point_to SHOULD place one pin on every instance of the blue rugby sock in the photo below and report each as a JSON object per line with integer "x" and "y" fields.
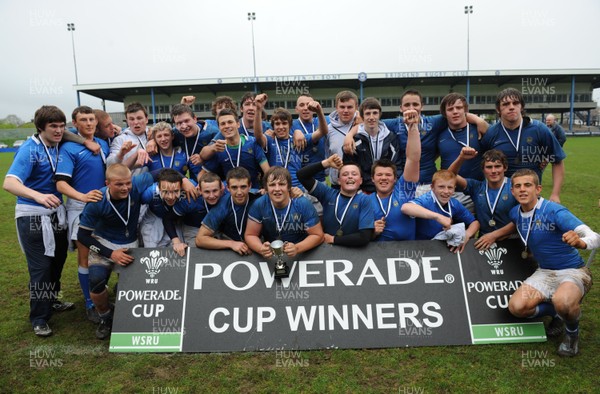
{"x": 572, "y": 327}
{"x": 84, "y": 283}
{"x": 544, "y": 309}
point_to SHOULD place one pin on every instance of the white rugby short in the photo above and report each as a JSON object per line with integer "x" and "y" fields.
{"x": 97, "y": 259}
{"x": 546, "y": 281}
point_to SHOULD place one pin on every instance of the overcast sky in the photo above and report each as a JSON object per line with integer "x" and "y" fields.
{"x": 123, "y": 41}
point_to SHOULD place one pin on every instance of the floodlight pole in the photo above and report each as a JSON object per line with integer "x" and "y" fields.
{"x": 71, "y": 28}
{"x": 468, "y": 11}
{"x": 252, "y": 18}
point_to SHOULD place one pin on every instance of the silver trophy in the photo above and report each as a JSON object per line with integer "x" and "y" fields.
{"x": 281, "y": 268}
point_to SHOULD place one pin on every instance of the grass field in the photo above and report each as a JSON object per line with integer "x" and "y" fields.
{"x": 73, "y": 361}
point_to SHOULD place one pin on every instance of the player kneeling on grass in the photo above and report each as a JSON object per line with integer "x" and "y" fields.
{"x": 113, "y": 222}
{"x": 551, "y": 234}
{"x": 109, "y": 228}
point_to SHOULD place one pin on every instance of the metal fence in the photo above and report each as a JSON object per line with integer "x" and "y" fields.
{"x": 15, "y": 134}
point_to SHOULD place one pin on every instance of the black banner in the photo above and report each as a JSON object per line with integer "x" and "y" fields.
{"x": 389, "y": 294}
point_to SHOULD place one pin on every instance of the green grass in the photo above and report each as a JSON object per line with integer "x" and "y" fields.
{"x": 86, "y": 365}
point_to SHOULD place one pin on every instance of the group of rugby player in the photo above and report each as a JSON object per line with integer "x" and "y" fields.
{"x": 252, "y": 182}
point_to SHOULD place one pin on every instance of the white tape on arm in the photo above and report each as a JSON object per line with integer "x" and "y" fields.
{"x": 587, "y": 235}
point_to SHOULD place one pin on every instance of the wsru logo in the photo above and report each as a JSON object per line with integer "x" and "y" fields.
{"x": 494, "y": 256}
{"x": 153, "y": 264}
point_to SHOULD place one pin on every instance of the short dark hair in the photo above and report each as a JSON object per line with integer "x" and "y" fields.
{"x": 135, "y": 107}
{"x": 386, "y": 163}
{"x": 48, "y": 114}
{"x": 305, "y": 95}
{"x": 450, "y": 99}
{"x": 238, "y": 173}
{"x": 510, "y": 93}
{"x": 277, "y": 173}
{"x": 411, "y": 92}
{"x": 247, "y": 96}
{"x": 525, "y": 172}
{"x": 208, "y": 177}
{"x": 350, "y": 162}
{"x": 169, "y": 175}
{"x": 223, "y": 100}
{"x": 228, "y": 111}
{"x": 180, "y": 109}
{"x": 369, "y": 103}
{"x": 82, "y": 109}
{"x": 283, "y": 115}
{"x": 346, "y": 95}
{"x": 494, "y": 155}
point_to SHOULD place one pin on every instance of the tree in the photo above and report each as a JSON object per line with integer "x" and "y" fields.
{"x": 13, "y": 120}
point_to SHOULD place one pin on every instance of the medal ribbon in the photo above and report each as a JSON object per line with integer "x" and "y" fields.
{"x": 526, "y": 239}
{"x": 239, "y": 155}
{"x": 280, "y": 228}
{"x": 460, "y": 142}
{"x": 304, "y": 127}
{"x": 125, "y": 222}
{"x": 449, "y": 211}
{"x": 374, "y": 154}
{"x": 386, "y": 213}
{"x": 287, "y": 156}
{"x": 241, "y": 225}
{"x": 245, "y": 129}
{"x": 516, "y": 146}
{"x": 187, "y": 154}
{"x": 162, "y": 161}
{"x": 487, "y": 196}
{"x": 337, "y": 201}
{"x": 52, "y": 165}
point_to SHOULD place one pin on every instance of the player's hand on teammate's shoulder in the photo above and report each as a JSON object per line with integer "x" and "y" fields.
{"x": 92, "y": 146}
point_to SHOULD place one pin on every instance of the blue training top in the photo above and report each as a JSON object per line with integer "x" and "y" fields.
{"x": 451, "y": 142}
{"x": 428, "y": 228}
{"x": 550, "y": 222}
{"x": 101, "y": 218}
{"x": 430, "y": 128}
{"x": 85, "y": 169}
{"x": 34, "y": 168}
{"x": 301, "y": 216}
{"x": 506, "y": 201}
{"x": 536, "y": 145}
{"x": 359, "y": 215}
{"x": 251, "y": 157}
{"x": 222, "y": 219}
{"x": 398, "y": 226}
{"x": 313, "y": 153}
